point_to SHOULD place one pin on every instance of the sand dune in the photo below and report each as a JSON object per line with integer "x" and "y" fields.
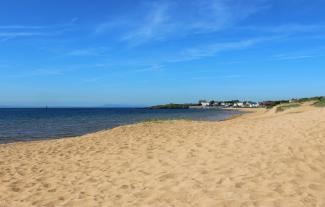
{"x": 259, "y": 159}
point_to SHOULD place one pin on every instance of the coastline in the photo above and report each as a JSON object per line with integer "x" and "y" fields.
{"x": 262, "y": 158}
{"x": 243, "y": 111}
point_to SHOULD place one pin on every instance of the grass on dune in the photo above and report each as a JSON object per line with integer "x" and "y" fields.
{"x": 287, "y": 106}
{"x": 320, "y": 103}
{"x": 316, "y": 98}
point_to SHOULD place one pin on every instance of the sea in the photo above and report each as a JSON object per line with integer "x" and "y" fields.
{"x": 27, "y": 124}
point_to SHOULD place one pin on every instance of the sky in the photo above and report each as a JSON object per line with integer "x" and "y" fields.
{"x": 145, "y": 52}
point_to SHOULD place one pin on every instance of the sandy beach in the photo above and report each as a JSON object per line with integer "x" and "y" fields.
{"x": 258, "y": 159}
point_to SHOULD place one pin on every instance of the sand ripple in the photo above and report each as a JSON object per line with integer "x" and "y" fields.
{"x": 261, "y": 159}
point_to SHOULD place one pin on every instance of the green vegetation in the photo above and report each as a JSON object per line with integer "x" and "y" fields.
{"x": 287, "y": 106}
{"x": 284, "y": 104}
{"x": 271, "y": 104}
{"x": 320, "y": 102}
{"x": 316, "y": 99}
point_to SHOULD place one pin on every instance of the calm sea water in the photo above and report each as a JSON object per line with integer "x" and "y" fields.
{"x": 35, "y": 124}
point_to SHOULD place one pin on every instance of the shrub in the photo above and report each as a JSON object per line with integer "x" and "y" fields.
{"x": 316, "y": 98}
{"x": 287, "y": 106}
{"x": 320, "y": 102}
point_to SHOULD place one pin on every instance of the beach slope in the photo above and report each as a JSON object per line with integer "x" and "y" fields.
{"x": 266, "y": 158}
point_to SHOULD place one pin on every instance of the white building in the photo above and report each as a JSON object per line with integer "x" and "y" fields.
{"x": 239, "y": 104}
{"x": 253, "y": 104}
{"x": 205, "y": 104}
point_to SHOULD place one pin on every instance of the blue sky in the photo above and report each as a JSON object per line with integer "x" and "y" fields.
{"x": 137, "y": 52}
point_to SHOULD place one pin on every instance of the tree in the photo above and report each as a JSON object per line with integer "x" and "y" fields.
{"x": 200, "y": 101}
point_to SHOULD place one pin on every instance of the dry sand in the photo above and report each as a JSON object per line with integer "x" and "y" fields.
{"x": 259, "y": 159}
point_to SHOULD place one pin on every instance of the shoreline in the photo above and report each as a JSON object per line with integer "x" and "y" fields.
{"x": 264, "y": 158}
{"x": 243, "y": 111}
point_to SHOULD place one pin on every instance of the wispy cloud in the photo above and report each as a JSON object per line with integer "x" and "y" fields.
{"x": 155, "y": 26}
{"x": 117, "y": 24}
{"x": 5, "y": 36}
{"x": 310, "y": 52}
{"x": 163, "y": 19}
{"x": 38, "y": 72}
{"x": 43, "y": 71}
{"x": 212, "y": 49}
{"x": 286, "y": 29}
{"x": 152, "y": 68}
{"x": 38, "y": 27}
{"x": 19, "y": 27}
{"x": 296, "y": 28}
{"x": 8, "y": 32}
{"x": 217, "y": 15}
{"x": 20, "y": 34}
{"x": 295, "y": 57}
